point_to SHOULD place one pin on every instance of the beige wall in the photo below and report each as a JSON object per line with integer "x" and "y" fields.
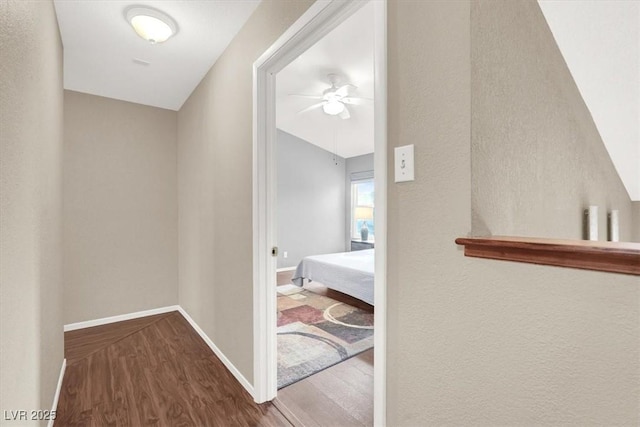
{"x": 480, "y": 342}
{"x": 215, "y": 161}
{"x": 31, "y": 343}
{"x": 120, "y": 207}
{"x": 537, "y": 157}
{"x": 470, "y": 341}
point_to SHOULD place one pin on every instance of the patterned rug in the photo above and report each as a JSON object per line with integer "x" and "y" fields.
{"x": 316, "y": 332}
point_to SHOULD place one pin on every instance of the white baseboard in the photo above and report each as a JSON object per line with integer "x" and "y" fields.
{"x": 280, "y": 270}
{"x": 120, "y": 318}
{"x": 230, "y": 366}
{"x": 56, "y": 396}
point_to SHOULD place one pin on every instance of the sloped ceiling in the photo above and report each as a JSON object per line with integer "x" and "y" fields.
{"x": 348, "y": 52}
{"x": 600, "y": 42}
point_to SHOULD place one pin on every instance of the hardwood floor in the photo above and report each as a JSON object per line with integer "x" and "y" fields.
{"x": 341, "y": 395}
{"x": 158, "y": 371}
{"x": 81, "y": 343}
{"x": 154, "y": 372}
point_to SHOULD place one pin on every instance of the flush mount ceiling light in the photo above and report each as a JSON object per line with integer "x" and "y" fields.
{"x": 151, "y": 24}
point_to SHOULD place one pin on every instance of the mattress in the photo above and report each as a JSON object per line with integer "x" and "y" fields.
{"x": 349, "y": 272}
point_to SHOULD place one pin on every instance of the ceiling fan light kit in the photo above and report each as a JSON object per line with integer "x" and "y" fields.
{"x": 333, "y": 108}
{"x": 151, "y": 24}
{"x": 334, "y": 99}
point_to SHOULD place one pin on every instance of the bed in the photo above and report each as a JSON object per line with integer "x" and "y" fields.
{"x": 348, "y": 272}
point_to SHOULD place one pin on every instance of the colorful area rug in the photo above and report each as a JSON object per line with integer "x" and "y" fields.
{"x": 316, "y": 332}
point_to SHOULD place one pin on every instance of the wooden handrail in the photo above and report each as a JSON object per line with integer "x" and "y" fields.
{"x": 614, "y": 257}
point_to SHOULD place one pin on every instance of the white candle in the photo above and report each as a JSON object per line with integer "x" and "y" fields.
{"x": 592, "y": 224}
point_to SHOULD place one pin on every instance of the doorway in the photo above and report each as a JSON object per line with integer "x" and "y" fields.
{"x": 316, "y": 23}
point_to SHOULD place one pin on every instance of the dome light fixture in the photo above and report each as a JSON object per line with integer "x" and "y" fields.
{"x": 333, "y": 107}
{"x": 151, "y": 24}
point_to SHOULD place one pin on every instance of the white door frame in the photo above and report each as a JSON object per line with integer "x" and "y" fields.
{"x": 322, "y": 17}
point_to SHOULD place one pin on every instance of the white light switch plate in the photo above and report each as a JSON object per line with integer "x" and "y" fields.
{"x": 404, "y": 163}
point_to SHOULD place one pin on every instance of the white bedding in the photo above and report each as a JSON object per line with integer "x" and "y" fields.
{"x": 348, "y": 272}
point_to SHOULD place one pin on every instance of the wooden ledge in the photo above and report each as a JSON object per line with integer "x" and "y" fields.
{"x": 614, "y": 257}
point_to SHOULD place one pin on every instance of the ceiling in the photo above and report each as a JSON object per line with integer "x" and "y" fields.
{"x": 101, "y": 48}
{"x": 348, "y": 52}
{"x": 600, "y": 42}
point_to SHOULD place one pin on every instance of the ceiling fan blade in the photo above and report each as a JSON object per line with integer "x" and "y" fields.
{"x": 355, "y": 100}
{"x": 343, "y": 90}
{"x": 306, "y": 96}
{"x": 345, "y": 114}
{"x": 313, "y": 107}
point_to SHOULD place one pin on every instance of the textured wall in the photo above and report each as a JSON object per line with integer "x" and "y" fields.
{"x": 311, "y": 200}
{"x": 470, "y": 342}
{"x": 481, "y": 342}
{"x": 354, "y": 165}
{"x": 31, "y": 342}
{"x": 537, "y": 157}
{"x": 120, "y": 207}
{"x": 215, "y": 185}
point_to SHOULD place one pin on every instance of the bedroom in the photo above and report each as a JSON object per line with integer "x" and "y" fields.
{"x": 325, "y": 225}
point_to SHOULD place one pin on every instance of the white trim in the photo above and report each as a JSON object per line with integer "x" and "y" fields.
{"x": 380, "y": 178}
{"x": 295, "y": 40}
{"x": 282, "y": 270}
{"x": 56, "y": 396}
{"x": 320, "y": 19}
{"x": 230, "y": 366}
{"x": 119, "y": 318}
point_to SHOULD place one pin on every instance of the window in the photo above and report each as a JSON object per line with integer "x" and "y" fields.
{"x": 362, "y": 209}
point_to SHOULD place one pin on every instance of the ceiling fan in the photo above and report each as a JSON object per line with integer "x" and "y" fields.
{"x": 335, "y": 99}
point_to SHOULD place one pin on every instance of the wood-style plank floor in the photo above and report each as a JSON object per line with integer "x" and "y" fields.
{"x": 154, "y": 372}
{"x": 341, "y": 395}
{"x": 157, "y": 371}
{"x": 81, "y": 343}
